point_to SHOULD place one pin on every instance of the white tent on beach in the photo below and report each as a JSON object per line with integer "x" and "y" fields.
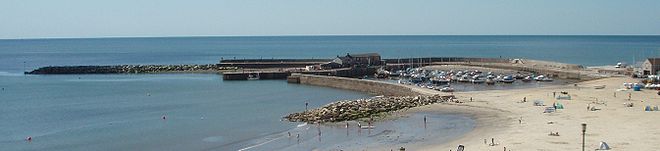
{"x": 603, "y": 146}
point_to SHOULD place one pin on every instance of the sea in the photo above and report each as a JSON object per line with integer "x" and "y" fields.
{"x": 203, "y": 112}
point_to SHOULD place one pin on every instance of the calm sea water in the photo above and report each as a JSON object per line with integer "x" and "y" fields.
{"x": 585, "y": 50}
{"x": 123, "y": 112}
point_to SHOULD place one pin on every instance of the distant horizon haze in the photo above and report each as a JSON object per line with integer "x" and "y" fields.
{"x": 328, "y": 35}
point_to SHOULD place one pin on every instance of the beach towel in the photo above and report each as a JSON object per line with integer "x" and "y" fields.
{"x": 538, "y": 103}
{"x": 549, "y": 110}
{"x": 563, "y": 97}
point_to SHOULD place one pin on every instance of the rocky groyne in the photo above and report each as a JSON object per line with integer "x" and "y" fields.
{"x": 362, "y": 108}
{"x": 129, "y": 69}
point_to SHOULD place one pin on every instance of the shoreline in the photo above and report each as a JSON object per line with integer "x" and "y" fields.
{"x": 497, "y": 113}
{"x": 484, "y": 118}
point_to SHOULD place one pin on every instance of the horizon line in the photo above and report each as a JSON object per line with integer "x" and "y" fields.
{"x": 319, "y": 35}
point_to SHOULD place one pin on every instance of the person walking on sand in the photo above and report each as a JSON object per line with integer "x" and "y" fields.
{"x": 524, "y": 99}
{"x": 629, "y": 96}
{"x": 554, "y": 94}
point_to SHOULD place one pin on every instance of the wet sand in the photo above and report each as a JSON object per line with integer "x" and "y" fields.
{"x": 403, "y": 128}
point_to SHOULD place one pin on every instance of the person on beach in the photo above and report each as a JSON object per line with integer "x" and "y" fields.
{"x": 588, "y": 106}
{"x": 554, "y": 94}
{"x": 492, "y": 141}
{"x": 298, "y": 138}
{"x": 614, "y": 94}
{"x": 524, "y": 99}
{"x": 629, "y": 96}
{"x": 424, "y": 119}
{"x": 470, "y": 99}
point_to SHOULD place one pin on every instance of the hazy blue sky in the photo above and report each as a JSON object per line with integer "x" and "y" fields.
{"x": 96, "y": 18}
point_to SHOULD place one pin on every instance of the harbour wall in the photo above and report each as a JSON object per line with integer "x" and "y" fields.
{"x": 282, "y": 75}
{"x": 271, "y": 63}
{"x": 118, "y": 69}
{"x": 273, "y": 60}
{"x": 362, "y": 85}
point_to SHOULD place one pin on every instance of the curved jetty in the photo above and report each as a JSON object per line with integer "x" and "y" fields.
{"x": 129, "y": 69}
{"x": 362, "y": 108}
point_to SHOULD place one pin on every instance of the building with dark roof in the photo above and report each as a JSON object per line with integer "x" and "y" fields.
{"x": 651, "y": 66}
{"x": 355, "y": 60}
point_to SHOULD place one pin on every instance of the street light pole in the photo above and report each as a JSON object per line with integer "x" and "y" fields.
{"x": 584, "y": 130}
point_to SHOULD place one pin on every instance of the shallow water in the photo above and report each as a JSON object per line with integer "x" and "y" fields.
{"x": 409, "y": 131}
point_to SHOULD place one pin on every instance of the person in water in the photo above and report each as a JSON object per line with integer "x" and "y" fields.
{"x": 424, "y": 119}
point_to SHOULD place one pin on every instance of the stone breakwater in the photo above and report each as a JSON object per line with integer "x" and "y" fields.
{"x": 129, "y": 69}
{"x": 363, "y": 108}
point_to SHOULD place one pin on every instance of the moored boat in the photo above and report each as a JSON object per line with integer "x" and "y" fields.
{"x": 508, "y": 79}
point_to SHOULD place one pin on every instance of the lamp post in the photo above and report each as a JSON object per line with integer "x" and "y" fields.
{"x": 584, "y": 130}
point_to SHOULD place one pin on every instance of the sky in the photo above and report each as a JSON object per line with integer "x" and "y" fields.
{"x": 152, "y": 18}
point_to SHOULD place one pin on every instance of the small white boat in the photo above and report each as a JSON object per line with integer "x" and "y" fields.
{"x": 447, "y": 89}
{"x": 464, "y": 78}
{"x": 478, "y": 80}
{"x": 508, "y": 79}
{"x": 253, "y": 76}
{"x": 543, "y": 78}
{"x": 547, "y": 79}
{"x": 367, "y": 127}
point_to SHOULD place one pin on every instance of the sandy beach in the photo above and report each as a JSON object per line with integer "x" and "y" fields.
{"x": 498, "y": 113}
